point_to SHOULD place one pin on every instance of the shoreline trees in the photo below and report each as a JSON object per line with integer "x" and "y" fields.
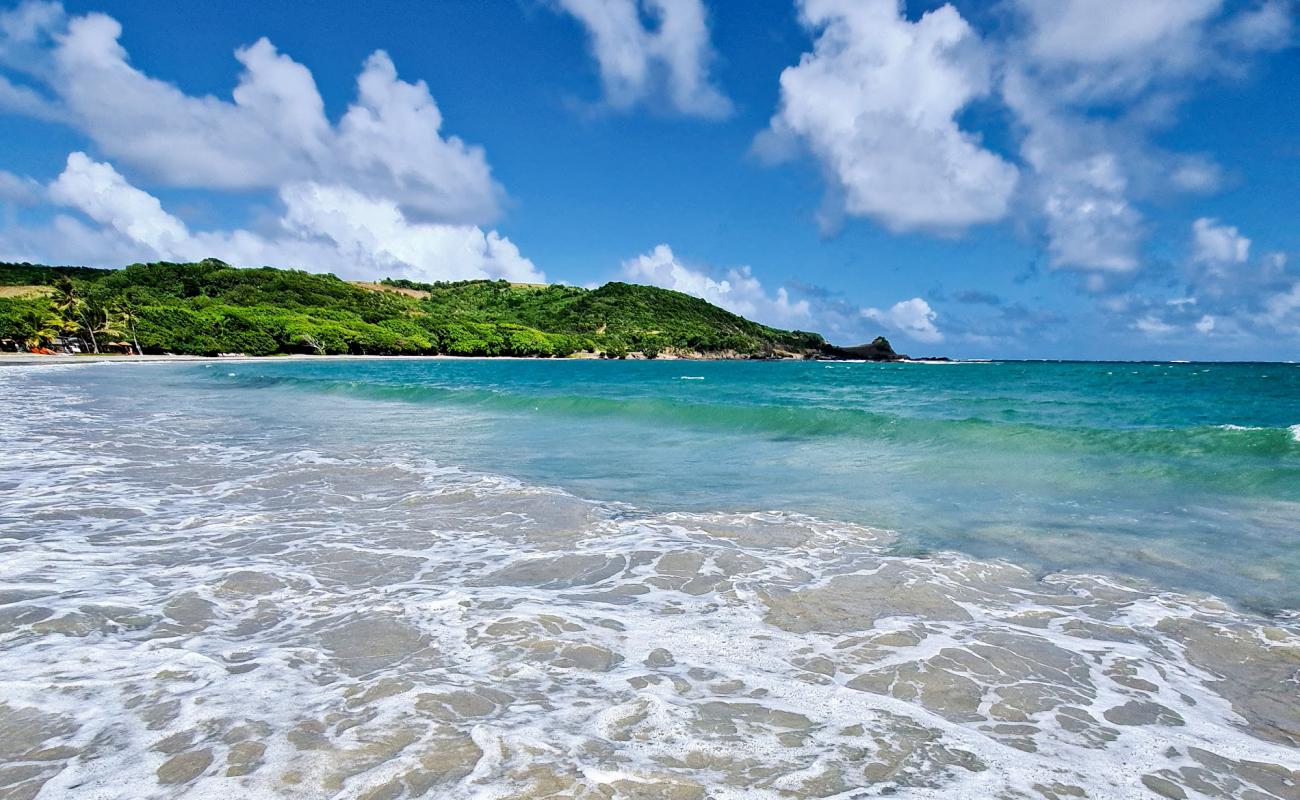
{"x": 209, "y": 307}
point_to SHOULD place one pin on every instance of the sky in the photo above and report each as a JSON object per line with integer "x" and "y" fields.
{"x": 1017, "y": 178}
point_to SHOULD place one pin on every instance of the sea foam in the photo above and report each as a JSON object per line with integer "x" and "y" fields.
{"x": 194, "y": 608}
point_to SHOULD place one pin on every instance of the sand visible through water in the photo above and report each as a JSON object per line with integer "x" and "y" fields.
{"x": 186, "y": 613}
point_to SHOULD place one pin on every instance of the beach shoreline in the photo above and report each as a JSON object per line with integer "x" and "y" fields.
{"x": 405, "y": 615}
{"x": 25, "y": 359}
{"x": 92, "y": 358}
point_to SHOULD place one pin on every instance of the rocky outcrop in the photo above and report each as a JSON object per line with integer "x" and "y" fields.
{"x": 878, "y": 349}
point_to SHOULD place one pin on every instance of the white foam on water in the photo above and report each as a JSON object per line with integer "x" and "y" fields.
{"x": 191, "y": 609}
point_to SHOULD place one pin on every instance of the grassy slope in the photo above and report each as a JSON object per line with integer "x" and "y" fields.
{"x": 210, "y": 307}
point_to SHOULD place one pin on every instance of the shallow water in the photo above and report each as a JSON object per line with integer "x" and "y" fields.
{"x": 486, "y": 580}
{"x": 1147, "y": 470}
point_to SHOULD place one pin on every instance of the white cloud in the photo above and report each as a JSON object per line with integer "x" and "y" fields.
{"x": 1094, "y": 55}
{"x": 19, "y": 190}
{"x": 738, "y": 291}
{"x": 876, "y": 101}
{"x": 1196, "y": 174}
{"x": 1075, "y": 30}
{"x": 23, "y": 100}
{"x": 1090, "y": 222}
{"x": 1089, "y": 88}
{"x": 1226, "y": 293}
{"x": 1213, "y": 243}
{"x": 324, "y": 227}
{"x": 1266, "y": 27}
{"x": 1079, "y": 182}
{"x": 1154, "y": 326}
{"x": 376, "y": 230}
{"x": 1099, "y": 52}
{"x": 98, "y": 191}
{"x": 382, "y": 192}
{"x": 1282, "y": 310}
{"x": 272, "y": 131}
{"x": 637, "y": 62}
{"x": 26, "y": 23}
{"x": 913, "y": 318}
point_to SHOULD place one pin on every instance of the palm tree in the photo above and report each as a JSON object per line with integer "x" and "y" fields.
{"x": 124, "y": 317}
{"x": 42, "y": 325}
{"x": 104, "y": 324}
{"x": 69, "y": 302}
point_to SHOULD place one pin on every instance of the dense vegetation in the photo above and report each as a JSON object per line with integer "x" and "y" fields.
{"x": 209, "y": 307}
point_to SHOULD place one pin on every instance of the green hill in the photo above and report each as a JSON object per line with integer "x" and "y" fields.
{"x": 210, "y": 307}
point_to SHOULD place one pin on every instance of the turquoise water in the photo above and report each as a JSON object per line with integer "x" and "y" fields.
{"x": 504, "y": 580}
{"x": 1184, "y": 474}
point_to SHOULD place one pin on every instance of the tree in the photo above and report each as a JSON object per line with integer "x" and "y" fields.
{"x": 209, "y": 307}
{"x": 125, "y": 316}
{"x": 46, "y": 328}
{"x": 313, "y": 341}
{"x": 98, "y": 321}
{"x": 31, "y": 321}
{"x": 69, "y": 302}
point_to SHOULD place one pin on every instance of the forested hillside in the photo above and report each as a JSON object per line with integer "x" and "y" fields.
{"x": 209, "y": 307}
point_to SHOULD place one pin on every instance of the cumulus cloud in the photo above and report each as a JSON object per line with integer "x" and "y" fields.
{"x": 324, "y": 227}
{"x": 364, "y": 229}
{"x": 669, "y": 60}
{"x": 1090, "y": 222}
{"x": 737, "y": 290}
{"x": 1213, "y": 243}
{"x": 1090, "y": 88}
{"x": 98, "y": 191}
{"x": 384, "y": 191}
{"x": 879, "y": 102}
{"x": 913, "y": 318}
{"x": 1282, "y": 310}
{"x": 1227, "y": 294}
{"x": 273, "y": 129}
{"x": 1238, "y": 293}
{"x": 876, "y": 103}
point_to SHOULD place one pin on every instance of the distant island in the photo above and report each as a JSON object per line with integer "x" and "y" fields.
{"x": 210, "y": 308}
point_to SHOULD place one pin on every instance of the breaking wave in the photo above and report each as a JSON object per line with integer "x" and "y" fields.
{"x": 190, "y": 608}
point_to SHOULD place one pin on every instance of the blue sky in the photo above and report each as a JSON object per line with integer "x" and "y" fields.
{"x": 1025, "y": 178}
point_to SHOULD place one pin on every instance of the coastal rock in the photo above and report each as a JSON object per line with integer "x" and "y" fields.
{"x": 660, "y": 657}
{"x": 184, "y": 767}
{"x": 855, "y": 602}
{"x": 877, "y": 349}
{"x": 1137, "y": 712}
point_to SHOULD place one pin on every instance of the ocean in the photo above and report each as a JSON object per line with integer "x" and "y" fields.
{"x": 390, "y": 578}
